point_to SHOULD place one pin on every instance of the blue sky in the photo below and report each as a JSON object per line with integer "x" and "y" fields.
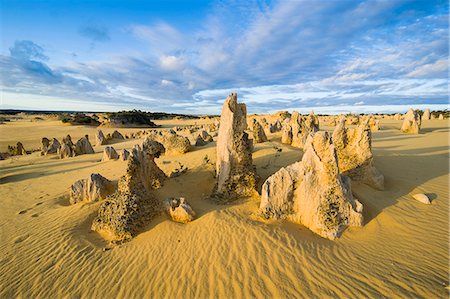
{"x": 186, "y": 56}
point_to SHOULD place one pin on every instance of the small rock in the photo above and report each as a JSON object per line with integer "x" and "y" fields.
{"x": 422, "y": 198}
{"x": 109, "y": 153}
{"x": 179, "y": 210}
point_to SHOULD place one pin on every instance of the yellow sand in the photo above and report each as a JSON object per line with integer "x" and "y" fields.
{"x": 47, "y": 249}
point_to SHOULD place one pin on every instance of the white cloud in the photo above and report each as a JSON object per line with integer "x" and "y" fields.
{"x": 171, "y": 63}
{"x": 166, "y": 82}
{"x": 431, "y": 69}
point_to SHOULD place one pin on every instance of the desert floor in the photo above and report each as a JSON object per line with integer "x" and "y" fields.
{"x": 48, "y": 250}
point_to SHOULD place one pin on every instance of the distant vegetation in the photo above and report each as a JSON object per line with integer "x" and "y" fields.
{"x": 79, "y": 119}
{"x": 133, "y": 117}
{"x": 445, "y": 113}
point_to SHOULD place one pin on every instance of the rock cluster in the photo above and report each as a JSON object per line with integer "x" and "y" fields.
{"x": 354, "y": 151}
{"x": 67, "y": 148}
{"x": 124, "y": 213}
{"x": 298, "y": 128}
{"x": 173, "y": 143}
{"x": 17, "y": 150}
{"x": 81, "y": 147}
{"x": 313, "y": 192}
{"x": 49, "y": 147}
{"x": 179, "y": 210}
{"x": 94, "y": 188}
{"x": 374, "y": 124}
{"x": 235, "y": 174}
{"x": 411, "y": 123}
{"x": 259, "y": 135}
{"x": 275, "y": 127}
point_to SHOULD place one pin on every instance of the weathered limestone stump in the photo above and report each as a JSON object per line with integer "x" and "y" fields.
{"x": 67, "y": 148}
{"x": 286, "y": 133}
{"x": 83, "y": 146}
{"x": 206, "y": 136}
{"x": 259, "y": 135}
{"x": 298, "y": 129}
{"x": 45, "y": 144}
{"x": 411, "y": 123}
{"x": 370, "y": 121}
{"x": 313, "y": 192}
{"x": 275, "y": 127}
{"x": 179, "y": 210}
{"x": 173, "y": 143}
{"x": 311, "y": 124}
{"x": 50, "y": 147}
{"x": 354, "y": 151}
{"x": 323, "y": 200}
{"x": 199, "y": 141}
{"x": 117, "y": 135}
{"x": 109, "y": 153}
{"x": 236, "y": 176}
{"x": 426, "y": 115}
{"x": 17, "y": 150}
{"x": 124, "y": 155}
{"x": 277, "y": 194}
{"x": 441, "y": 116}
{"x": 100, "y": 138}
{"x": 94, "y": 188}
{"x": 133, "y": 205}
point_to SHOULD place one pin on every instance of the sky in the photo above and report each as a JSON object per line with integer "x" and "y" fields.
{"x": 186, "y": 56}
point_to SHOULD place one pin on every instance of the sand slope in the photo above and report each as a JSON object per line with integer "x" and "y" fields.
{"x": 48, "y": 250}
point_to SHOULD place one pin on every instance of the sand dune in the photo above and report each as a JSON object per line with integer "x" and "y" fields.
{"x": 48, "y": 250}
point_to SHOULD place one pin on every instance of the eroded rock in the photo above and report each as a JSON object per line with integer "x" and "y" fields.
{"x": 83, "y": 146}
{"x": 173, "y": 143}
{"x": 179, "y": 210}
{"x": 124, "y": 155}
{"x": 426, "y": 114}
{"x": 94, "y": 188}
{"x": 133, "y": 205}
{"x": 17, "y": 150}
{"x": 354, "y": 151}
{"x": 100, "y": 138}
{"x": 259, "y": 135}
{"x": 236, "y": 176}
{"x": 109, "y": 153}
{"x": 313, "y": 192}
{"x": 411, "y": 123}
{"x": 117, "y": 135}
{"x": 422, "y": 198}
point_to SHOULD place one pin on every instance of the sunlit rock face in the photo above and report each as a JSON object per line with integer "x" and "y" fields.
{"x": 236, "y": 176}
{"x": 411, "y": 122}
{"x": 355, "y": 157}
{"x": 296, "y": 131}
{"x": 312, "y": 192}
